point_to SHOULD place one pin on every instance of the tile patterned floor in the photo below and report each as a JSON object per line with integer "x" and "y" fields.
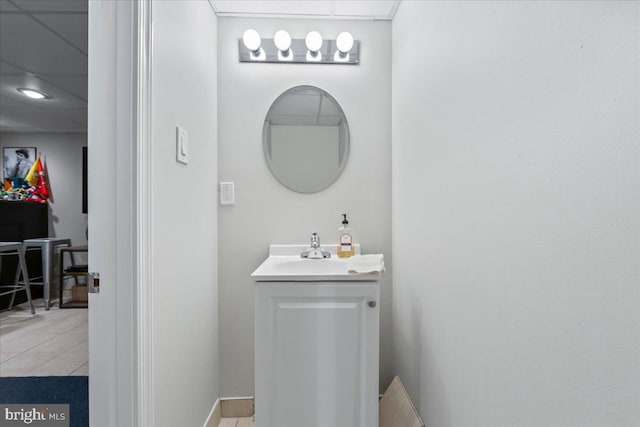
{"x": 48, "y": 343}
{"x": 237, "y": 422}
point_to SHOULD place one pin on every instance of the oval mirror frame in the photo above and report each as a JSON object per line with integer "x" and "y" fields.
{"x": 305, "y": 139}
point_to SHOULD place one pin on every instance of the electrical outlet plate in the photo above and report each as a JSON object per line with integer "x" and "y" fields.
{"x": 227, "y": 193}
{"x": 182, "y": 145}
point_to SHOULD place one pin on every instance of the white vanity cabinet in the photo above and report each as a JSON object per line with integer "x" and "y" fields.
{"x": 316, "y": 354}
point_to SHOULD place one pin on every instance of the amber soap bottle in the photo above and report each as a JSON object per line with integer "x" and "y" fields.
{"x": 345, "y": 247}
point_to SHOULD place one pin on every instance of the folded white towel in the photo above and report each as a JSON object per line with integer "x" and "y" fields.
{"x": 366, "y": 264}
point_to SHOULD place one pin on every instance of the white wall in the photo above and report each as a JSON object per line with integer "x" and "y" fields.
{"x": 61, "y": 154}
{"x": 185, "y": 292}
{"x": 516, "y": 212}
{"x": 266, "y": 212}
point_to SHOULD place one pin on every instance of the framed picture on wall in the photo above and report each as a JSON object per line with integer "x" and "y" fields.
{"x": 17, "y": 161}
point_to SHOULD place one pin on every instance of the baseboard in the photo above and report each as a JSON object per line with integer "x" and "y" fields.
{"x": 213, "y": 420}
{"x": 237, "y": 407}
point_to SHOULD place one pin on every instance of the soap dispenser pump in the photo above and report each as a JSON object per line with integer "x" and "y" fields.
{"x": 345, "y": 247}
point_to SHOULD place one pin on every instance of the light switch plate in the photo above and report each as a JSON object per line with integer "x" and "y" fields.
{"x": 182, "y": 145}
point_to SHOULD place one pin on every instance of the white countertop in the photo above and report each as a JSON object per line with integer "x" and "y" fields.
{"x": 285, "y": 265}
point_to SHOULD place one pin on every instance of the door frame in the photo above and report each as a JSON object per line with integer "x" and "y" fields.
{"x": 119, "y": 140}
{"x": 144, "y": 215}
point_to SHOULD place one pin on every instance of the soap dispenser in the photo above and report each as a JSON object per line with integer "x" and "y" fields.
{"x": 345, "y": 247}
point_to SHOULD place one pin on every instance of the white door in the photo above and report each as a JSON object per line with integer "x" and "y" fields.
{"x": 316, "y": 354}
{"x": 118, "y": 338}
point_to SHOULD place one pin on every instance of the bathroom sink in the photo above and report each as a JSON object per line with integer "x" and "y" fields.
{"x": 284, "y": 264}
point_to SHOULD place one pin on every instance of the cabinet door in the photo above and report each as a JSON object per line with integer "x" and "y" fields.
{"x": 316, "y": 354}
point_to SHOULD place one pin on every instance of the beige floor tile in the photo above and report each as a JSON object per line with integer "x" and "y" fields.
{"x": 10, "y": 329}
{"x": 64, "y": 364}
{"x": 25, "y": 342}
{"x": 65, "y": 325}
{"x": 228, "y": 422}
{"x": 47, "y": 324}
{"x": 13, "y": 317}
{"x": 82, "y": 346}
{"x": 6, "y": 356}
{"x": 60, "y": 336}
{"x": 22, "y": 363}
{"x": 82, "y": 370}
{"x": 82, "y": 328}
{"x": 60, "y": 343}
{"x": 246, "y": 422}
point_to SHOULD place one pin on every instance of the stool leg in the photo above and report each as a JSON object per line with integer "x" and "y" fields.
{"x": 16, "y": 281}
{"x": 25, "y": 276}
{"x": 22, "y": 267}
{"x": 47, "y": 260}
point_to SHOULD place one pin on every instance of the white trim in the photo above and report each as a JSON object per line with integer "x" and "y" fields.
{"x": 301, "y": 16}
{"x": 236, "y": 398}
{"x": 214, "y": 415}
{"x": 144, "y": 216}
{"x": 394, "y": 9}
{"x": 112, "y": 141}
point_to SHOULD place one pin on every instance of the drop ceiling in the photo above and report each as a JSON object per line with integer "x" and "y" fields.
{"x": 43, "y": 45}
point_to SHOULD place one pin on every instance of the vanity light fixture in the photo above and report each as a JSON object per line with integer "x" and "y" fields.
{"x": 313, "y": 41}
{"x": 252, "y": 41}
{"x": 344, "y": 43}
{"x": 282, "y": 40}
{"x": 313, "y": 49}
{"x": 34, "y": 94}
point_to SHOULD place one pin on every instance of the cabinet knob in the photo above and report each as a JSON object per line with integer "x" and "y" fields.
{"x": 372, "y": 303}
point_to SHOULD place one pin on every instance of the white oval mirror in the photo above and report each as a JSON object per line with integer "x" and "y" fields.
{"x": 306, "y": 139}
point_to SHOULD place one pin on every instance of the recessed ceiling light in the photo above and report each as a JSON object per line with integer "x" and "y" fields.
{"x": 32, "y": 93}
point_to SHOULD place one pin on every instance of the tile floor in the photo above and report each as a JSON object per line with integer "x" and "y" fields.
{"x": 49, "y": 343}
{"x": 237, "y": 422}
{"x": 52, "y": 343}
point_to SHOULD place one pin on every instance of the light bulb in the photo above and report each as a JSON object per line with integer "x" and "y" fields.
{"x": 344, "y": 42}
{"x": 282, "y": 40}
{"x": 251, "y": 40}
{"x": 314, "y": 41}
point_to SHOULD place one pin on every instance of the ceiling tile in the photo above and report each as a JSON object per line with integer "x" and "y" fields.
{"x": 78, "y": 115}
{"x": 75, "y": 85}
{"x": 11, "y": 124}
{"x": 29, "y": 53}
{"x": 13, "y": 24}
{"x": 6, "y": 6}
{"x": 8, "y": 68}
{"x": 8, "y": 102}
{"x": 53, "y": 5}
{"x": 38, "y": 118}
{"x": 73, "y": 27}
{"x": 60, "y": 98}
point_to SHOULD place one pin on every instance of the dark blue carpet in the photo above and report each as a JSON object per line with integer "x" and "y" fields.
{"x": 50, "y": 390}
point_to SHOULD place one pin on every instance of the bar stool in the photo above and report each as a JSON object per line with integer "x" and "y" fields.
{"x": 16, "y": 248}
{"x": 47, "y": 246}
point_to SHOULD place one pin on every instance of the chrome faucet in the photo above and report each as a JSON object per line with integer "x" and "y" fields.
{"x": 315, "y": 251}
